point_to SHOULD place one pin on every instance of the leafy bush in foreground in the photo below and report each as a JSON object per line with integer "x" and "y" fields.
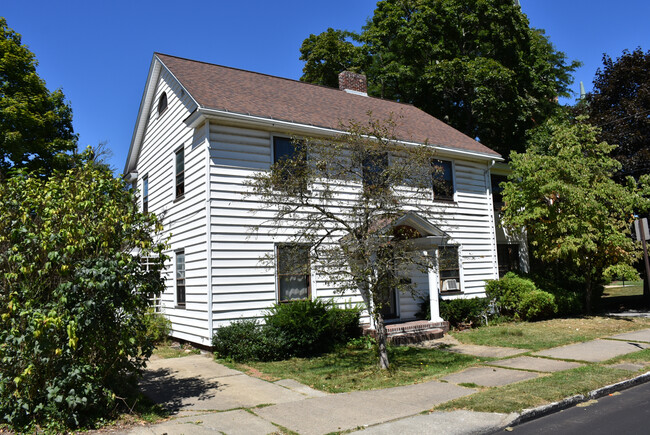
{"x": 73, "y": 298}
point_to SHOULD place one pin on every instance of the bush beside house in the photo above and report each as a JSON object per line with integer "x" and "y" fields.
{"x": 301, "y": 328}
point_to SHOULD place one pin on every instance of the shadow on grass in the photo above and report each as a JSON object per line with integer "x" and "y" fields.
{"x": 162, "y": 387}
{"x": 622, "y": 303}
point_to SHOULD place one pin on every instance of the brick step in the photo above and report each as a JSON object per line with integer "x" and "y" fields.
{"x": 413, "y": 337}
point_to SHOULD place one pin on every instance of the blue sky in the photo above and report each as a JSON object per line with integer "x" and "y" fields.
{"x": 99, "y": 52}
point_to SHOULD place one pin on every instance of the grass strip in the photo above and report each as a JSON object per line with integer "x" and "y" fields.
{"x": 539, "y": 391}
{"x": 550, "y": 333}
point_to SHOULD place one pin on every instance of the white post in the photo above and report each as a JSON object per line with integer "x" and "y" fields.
{"x": 434, "y": 291}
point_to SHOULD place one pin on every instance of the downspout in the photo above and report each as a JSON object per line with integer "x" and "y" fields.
{"x": 208, "y": 230}
{"x": 493, "y": 235}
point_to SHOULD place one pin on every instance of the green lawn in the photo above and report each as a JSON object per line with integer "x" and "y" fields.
{"x": 549, "y": 333}
{"x": 355, "y": 368}
{"x": 539, "y": 391}
{"x": 617, "y": 289}
{"x": 350, "y": 369}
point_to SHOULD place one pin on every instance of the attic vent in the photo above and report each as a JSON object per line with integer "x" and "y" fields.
{"x": 162, "y": 103}
{"x": 353, "y": 83}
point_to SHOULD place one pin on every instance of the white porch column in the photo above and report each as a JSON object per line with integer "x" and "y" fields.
{"x": 434, "y": 289}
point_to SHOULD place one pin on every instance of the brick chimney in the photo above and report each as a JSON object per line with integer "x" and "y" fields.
{"x": 353, "y": 83}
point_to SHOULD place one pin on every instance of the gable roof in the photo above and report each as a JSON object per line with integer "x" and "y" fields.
{"x": 245, "y": 92}
{"x": 218, "y": 88}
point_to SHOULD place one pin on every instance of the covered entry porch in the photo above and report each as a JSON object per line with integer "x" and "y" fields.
{"x": 401, "y": 308}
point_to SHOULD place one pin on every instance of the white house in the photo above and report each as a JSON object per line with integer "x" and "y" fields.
{"x": 203, "y": 129}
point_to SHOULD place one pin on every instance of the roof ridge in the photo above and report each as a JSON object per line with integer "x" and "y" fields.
{"x": 284, "y": 78}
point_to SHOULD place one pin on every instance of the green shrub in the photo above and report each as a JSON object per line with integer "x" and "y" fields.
{"x": 464, "y": 311}
{"x": 536, "y": 305}
{"x": 568, "y": 296}
{"x": 300, "y": 328}
{"x": 305, "y": 323}
{"x": 507, "y": 292}
{"x": 246, "y": 340}
{"x": 158, "y": 326}
{"x": 344, "y": 324}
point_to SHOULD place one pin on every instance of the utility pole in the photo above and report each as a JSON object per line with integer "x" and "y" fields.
{"x": 642, "y": 234}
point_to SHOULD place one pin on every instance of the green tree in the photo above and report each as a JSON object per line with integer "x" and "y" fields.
{"x": 561, "y": 190}
{"x": 341, "y": 197}
{"x": 73, "y": 295}
{"x": 327, "y": 54}
{"x": 620, "y": 106}
{"x": 35, "y": 124}
{"x": 477, "y": 65}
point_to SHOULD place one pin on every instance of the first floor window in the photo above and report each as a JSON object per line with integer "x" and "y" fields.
{"x": 508, "y": 258}
{"x": 293, "y": 272}
{"x": 449, "y": 265}
{"x": 145, "y": 194}
{"x": 180, "y": 278}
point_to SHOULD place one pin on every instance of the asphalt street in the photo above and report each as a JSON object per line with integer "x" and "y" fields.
{"x": 626, "y": 412}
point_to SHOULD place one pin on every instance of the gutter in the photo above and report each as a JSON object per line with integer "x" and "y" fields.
{"x": 198, "y": 117}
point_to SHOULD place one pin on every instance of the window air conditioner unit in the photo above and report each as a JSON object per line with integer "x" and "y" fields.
{"x": 449, "y": 285}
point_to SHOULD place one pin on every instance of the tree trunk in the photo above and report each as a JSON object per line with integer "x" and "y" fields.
{"x": 588, "y": 293}
{"x": 380, "y": 327}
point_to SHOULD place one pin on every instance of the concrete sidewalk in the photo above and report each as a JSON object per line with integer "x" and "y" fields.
{"x": 207, "y": 397}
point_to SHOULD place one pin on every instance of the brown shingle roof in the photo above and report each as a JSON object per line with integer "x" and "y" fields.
{"x": 234, "y": 90}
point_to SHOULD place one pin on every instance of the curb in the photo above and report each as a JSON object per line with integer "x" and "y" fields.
{"x": 551, "y": 408}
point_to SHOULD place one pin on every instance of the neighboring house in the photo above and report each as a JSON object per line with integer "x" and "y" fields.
{"x": 203, "y": 129}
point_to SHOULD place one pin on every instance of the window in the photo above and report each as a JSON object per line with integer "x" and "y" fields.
{"x": 293, "y": 272}
{"x": 448, "y": 263}
{"x": 180, "y": 173}
{"x": 289, "y": 159}
{"x": 180, "y": 278}
{"x": 497, "y": 190}
{"x": 162, "y": 103}
{"x": 443, "y": 180}
{"x": 374, "y": 167}
{"x": 145, "y": 194}
{"x": 508, "y": 258}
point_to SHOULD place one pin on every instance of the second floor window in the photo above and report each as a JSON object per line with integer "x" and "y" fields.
{"x": 497, "y": 190}
{"x": 180, "y": 173}
{"x": 145, "y": 194}
{"x": 290, "y": 160}
{"x": 443, "y": 180}
{"x": 374, "y": 168}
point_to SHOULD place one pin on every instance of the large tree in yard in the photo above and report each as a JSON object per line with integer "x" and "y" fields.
{"x": 620, "y": 106}
{"x": 35, "y": 124}
{"x": 342, "y": 200}
{"x": 477, "y": 65}
{"x": 562, "y": 191}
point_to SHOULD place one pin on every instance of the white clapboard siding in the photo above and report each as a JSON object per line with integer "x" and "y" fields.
{"x": 244, "y": 285}
{"x": 184, "y": 219}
